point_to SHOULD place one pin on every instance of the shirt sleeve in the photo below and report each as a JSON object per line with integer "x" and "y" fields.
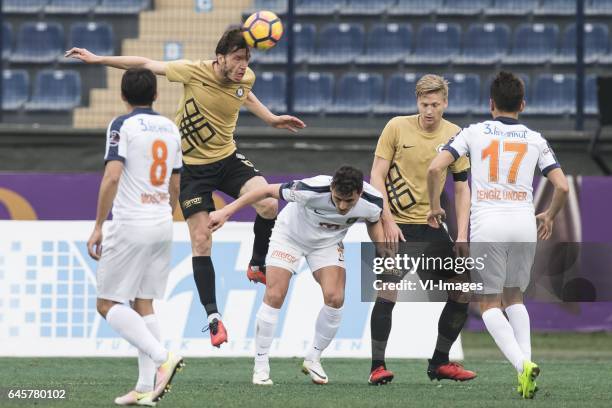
{"x": 180, "y": 71}
{"x": 178, "y": 159}
{"x": 116, "y": 141}
{"x": 296, "y": 191}
{"x": 547, "y": 160}
{"x": 387, "y": 142}
{"x": 458, "y": 144}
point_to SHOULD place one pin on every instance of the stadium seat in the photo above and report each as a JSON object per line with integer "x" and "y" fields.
{"x": 366, "y": 7}
{"x": 464, "y": 93}
{"x": 464, "y": 7}
{"x": 15, "y": 89}
{"x": 313, "y": 91}
{"x": 23, "y": 6}
{"x": 533, "y": 44}
{"x": 437, "y": 44}
{"x": 387, "y": 44}
{"x": 318, "y": 7}
{"x": 70, "y": 6}
{"x": 270, "y": 90}
{"x": 484, "y": 108}
{"x": 121, "y": 6}
{"x": 38, "y": 42}
{"x": 590, "y": 95}
{"x": 599, "y": 8}
{"x": 595, "y": 40}
{"x": 7, "y": 40}
{"x": 304, "y": 47}
{"x": 399, "y": 95}
{"x": 556, "y": 8}
{"x": 553, "y": 94}
{"x": 415, "y": 7}
{"x": 96, "y": 37}
{"x": 484, "y": 44}
{"x": 339, "y": 44}
{"x": 55, "y": 91}
{"x": 358, "y": 93}
{"x": 512, "y": 7}
{"x": 277, "y": 6}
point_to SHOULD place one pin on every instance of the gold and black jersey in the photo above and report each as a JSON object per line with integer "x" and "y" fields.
{"x": 208, "y": 112}
{"x": 410, "y": 149}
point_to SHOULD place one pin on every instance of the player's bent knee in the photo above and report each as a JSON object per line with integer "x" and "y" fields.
{"x": 103, "y": 306}
{"x": 274, "y": 298}
{"x": 335, "y": 300}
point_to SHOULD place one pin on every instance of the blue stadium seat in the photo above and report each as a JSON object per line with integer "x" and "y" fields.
{"x": 512, "y": 7}
{"x": 96, "y": 37}
{"x": 313, "y": 91}
{"x": 533, "y": 44}
{"x": 339, "y": 44}
{"x": 318, "y": 7}
{"x": 484, "y": 44}
{"x": 437, "y": 44}
{"x": 415, "y": 7}
{"x": 366, "y": 7}
{"x": 595, "y": 40}
{"x": 464, "y": 7}
{"x": 70, "y": 6}
{"x": 556, "y": 8}
{"x": 38, "y": 42}
{"x": 7, "y": 40}
{"x": 590, "y": 95}
{"x": 270, "y": 90}
{"x": 23, "y": 6}
{"x": 484, "y": 108}
{"x": 276, "y": 55}
{"x": 304, "y": 47}
{"x": 121, "y": 6}
{"x": 464, "y": 93}
{"x": 599, "y": 8}
{"x": 553, "y": 94}
{"x": 15, "y": 88}
{"x": 277, "y": 6}
{"x": 55, "y": 91}
{"x": 358, "y": 93}
{"x": 387, "y": 44}
{"x": 399, "y": 95}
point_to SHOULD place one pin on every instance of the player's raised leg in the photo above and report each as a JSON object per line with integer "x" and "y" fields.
{"x": 204, "y": 273}
{"x": 267, "y": 210}
{"x": 332, "y": 281}
{"x": 267, "y": 318}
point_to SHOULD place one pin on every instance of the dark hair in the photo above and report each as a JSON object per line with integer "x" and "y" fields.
{"x": 347, "y": 180}
{"x": 231, "y": 40}
{"x": 139, "y": 86}
{"x": 507, "y": 91}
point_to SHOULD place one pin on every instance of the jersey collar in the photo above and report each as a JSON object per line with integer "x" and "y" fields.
{"x": 507, "y": 121}
{"x": 149, "y": 111}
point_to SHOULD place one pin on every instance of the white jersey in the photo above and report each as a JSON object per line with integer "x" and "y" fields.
{"x": 503, "y": 155}
{"x": 149, "y": 145}
{"x": 311, "y": 218}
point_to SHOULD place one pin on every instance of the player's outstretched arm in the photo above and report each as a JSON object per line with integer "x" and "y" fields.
{"x": 546, "y": 218}
{"x": 380, "y": 169}
{"x": 219, "y": 217}
{"x": 120, "y": 62}
{"x": 438, "y": 166}
{"x": 106, "y": 196}
{"x": 291, "y": 123}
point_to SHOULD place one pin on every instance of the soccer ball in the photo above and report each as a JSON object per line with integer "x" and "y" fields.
{"x": 262, "y": 30}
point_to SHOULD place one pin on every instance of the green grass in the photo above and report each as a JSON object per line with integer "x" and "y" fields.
{"x": 576, "y": 371}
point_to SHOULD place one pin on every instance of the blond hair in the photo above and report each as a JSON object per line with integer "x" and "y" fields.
{"x": 432, "y": 84}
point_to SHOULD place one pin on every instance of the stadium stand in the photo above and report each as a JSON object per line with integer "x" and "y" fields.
{"x": 55, "y": 91}
{"x": 313, "y": 91}
{"x": 15, "y": 89}
{"x": 590, "y": 95}
{"x": 464, "y": 93}
{"x": 358, "y": 93}
{"x": 599, "y": 8}
{"x": 7, "y": 40}
{"x": 533, "y": 44}
{"x": 277, "y": 6}
{"x": 23, "y": 6}
{"x": 436, "y": 44}
{"x": 96, "y": 37}
{"x": 400, "y": 98}
{"x": 511, "y": 7}
{"x": 596, "y": 40}
{"x": 387, "y": 44}
{"x": 318, "y": 7}
{"x": 70, "y": 6}
{"x": 38, "y": 42}
{"x": 366, "y": 7}
{"x": 464, "y": 7}
{"x": 553, "y": 94}
{"x": 339, "y": 44}
{"x": 270, "y": 89}
{"x": 556, "y": 8}
{"x": 484, "y": 44}
{"x": 415, "y": 7}
{"x": 121, "y": 6}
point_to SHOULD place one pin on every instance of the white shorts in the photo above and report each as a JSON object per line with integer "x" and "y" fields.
{"x": 286, "y": 253}
{"x": 506, "y": 244}
{"x": 135, "y": 261}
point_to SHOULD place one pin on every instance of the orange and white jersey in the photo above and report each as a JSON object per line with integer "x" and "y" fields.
{"x": 149, "y": 145}
{"x": 504, "y": 154}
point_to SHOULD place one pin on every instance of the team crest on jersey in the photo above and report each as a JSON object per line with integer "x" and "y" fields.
{"x": 441, "y": 146}
{"x": 115, "y": 136}
{"x": 240, "y": 92}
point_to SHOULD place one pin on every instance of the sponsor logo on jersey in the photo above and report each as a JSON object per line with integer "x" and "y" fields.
{"x": 240, "y": 92}
{"x": 115, "y": 136}
{"x": 191, "y": 202}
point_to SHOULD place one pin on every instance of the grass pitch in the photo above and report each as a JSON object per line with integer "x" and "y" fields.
{"x": 576, "y": 371}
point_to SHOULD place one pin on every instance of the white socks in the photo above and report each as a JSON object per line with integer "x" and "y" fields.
{"x": 146, "y": 366}
{"x": 326, "y": 328}
{"x": 501, "y": 331}
{"x": 519, "y": 320}
{"x": 132, "y": 327}
{"x": 267, "y": 318}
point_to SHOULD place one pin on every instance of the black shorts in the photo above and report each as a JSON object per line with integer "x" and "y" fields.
{"x": 199, "y": 181}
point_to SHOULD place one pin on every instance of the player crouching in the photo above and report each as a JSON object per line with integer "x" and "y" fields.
{"x": 312, "y": 226}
